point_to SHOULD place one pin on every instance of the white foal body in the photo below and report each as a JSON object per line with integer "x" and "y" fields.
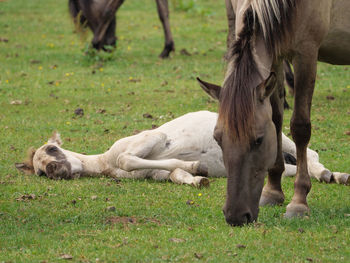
{"x": 180, "y": 150}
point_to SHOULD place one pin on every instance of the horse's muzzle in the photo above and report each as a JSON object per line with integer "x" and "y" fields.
{"x": 58, "y": 170}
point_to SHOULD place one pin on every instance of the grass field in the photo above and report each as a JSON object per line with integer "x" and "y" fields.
{"x": 45, "y": 75}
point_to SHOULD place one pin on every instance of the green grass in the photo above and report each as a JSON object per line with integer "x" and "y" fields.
{"x": 64, "y": 219}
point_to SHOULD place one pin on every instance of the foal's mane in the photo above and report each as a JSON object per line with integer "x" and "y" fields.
{"x": 273, "y": 20}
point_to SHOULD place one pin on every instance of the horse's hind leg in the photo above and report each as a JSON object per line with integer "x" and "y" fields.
{"x": 305, "y": 65}
{"x": 149, "y": 145}
{"x": 163, "y": 13}
{"x": 272, "y": 193}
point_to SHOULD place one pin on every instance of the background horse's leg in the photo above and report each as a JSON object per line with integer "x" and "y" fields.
{"x": 163, "y": 13}
{"x": 305, "y": 66}
{"x": 107, "y": 17}
{"x": 272, "y": 193}
{"x": 231, "y": 19}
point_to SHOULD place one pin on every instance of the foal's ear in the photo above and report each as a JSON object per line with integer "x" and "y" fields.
{"x": 27, "y": 166}
{"x": 266, "y": 88}
{"x": 212, "y": 89}
{"x": 55, "y": 138}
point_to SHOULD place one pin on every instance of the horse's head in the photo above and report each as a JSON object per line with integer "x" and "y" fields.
{"x": 247, "y": 161}
{"x": 51, "y": 160}
{"x": 100, "y": 17}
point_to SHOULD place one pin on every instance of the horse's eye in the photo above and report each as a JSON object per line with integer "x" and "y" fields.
{"x": 52, "y": 149}
{"x": 259, "y": 141}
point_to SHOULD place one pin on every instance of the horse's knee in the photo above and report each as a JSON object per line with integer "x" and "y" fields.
{"x": 124, "y": 162}
{"x": 301, "y": 132}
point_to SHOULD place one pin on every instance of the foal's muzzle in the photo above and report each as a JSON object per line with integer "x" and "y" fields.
{"x": 58, "y": 170}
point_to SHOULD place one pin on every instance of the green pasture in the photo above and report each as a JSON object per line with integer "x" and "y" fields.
{"x": 47, "y": 71}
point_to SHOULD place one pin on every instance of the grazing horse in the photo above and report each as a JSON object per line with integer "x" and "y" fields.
{"x": 251, "y": 102}
{"x": 177, "y": 150}
{"x": 100, "y": 16}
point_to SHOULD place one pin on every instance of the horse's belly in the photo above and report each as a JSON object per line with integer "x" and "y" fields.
{"x": 335, "y": 48}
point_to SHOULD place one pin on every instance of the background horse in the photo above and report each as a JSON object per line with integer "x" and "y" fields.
{"x": 262, "y": 34}
{"x": 100, "y": 17}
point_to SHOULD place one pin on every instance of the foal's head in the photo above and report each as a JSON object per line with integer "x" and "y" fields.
{"x": 92, "y": 13}
{"x": 247, "y": 161}
{"x": 51, "y": 160}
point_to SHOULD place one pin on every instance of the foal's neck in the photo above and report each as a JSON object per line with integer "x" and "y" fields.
{"x": 93, "y": 164}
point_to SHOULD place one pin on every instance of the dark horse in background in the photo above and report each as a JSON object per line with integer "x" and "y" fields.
{"x": 262, "y": 34}
{"x": 100, "y": 17}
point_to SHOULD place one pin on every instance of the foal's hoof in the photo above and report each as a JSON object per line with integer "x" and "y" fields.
{"x": 200, "y": 182}
{"x": 202, "y": 169}
{"x": 326, "y": 176}
{"x": 271, "y": 197}
{"x": 296, "y": 210}
{"x": 341, "y": 178}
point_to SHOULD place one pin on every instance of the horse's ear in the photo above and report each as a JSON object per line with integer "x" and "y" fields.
{"x": 212, "y": 89}
{"x": 27, "y": 166}
{"x": 55, "y": 138}
{"x": 266, "y": 88}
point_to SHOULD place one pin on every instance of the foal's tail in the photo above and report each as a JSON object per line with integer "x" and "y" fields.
{"x": 77, "y": 14}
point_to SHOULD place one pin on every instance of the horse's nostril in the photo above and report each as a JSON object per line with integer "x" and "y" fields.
{"x": 248, "y": 217}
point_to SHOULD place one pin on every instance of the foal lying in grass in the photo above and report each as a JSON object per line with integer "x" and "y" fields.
{"x": 182, "y": 150}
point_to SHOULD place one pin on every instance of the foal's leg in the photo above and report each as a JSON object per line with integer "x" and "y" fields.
{"x": 305, "y": 65}
{"x": 149, "y": 144}
{"x": 272, "y": 193}
{"x": 163, "y": 13}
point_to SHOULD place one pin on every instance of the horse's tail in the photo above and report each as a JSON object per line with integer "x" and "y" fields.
{"x": 76, "y": 13}
{"x": 272, "y": 19}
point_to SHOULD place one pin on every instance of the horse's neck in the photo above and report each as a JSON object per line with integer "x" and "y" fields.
{"x": 93, "y": 164}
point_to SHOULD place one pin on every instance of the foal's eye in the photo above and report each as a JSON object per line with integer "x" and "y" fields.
{"x": 258, "y": 141}
{"x": 52, "y": 149}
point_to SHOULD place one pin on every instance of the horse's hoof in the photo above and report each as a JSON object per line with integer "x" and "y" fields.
{"x": 200, "y": 182}
{"x": 326, "y": 176}
{"x": 202, "y": 169}
{"x": 341, "y": 178}
{"x": 271, "y": 197}
{"x": 204, "y": 182}
{"x": 296, "y": 210}
{"x": 167, "y": 49}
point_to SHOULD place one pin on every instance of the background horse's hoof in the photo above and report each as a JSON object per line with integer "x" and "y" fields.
{"x": 341, "y": 178}
{"x": 167, "y": 49}
{"x": 271, "y": 197}
{"x": 296, "y": 210}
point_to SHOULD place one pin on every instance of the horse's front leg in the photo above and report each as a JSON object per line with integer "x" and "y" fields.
{"x": 305, "y": 66}
{"x": 163, "y": 13}
{"x": 272, "y": 193}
